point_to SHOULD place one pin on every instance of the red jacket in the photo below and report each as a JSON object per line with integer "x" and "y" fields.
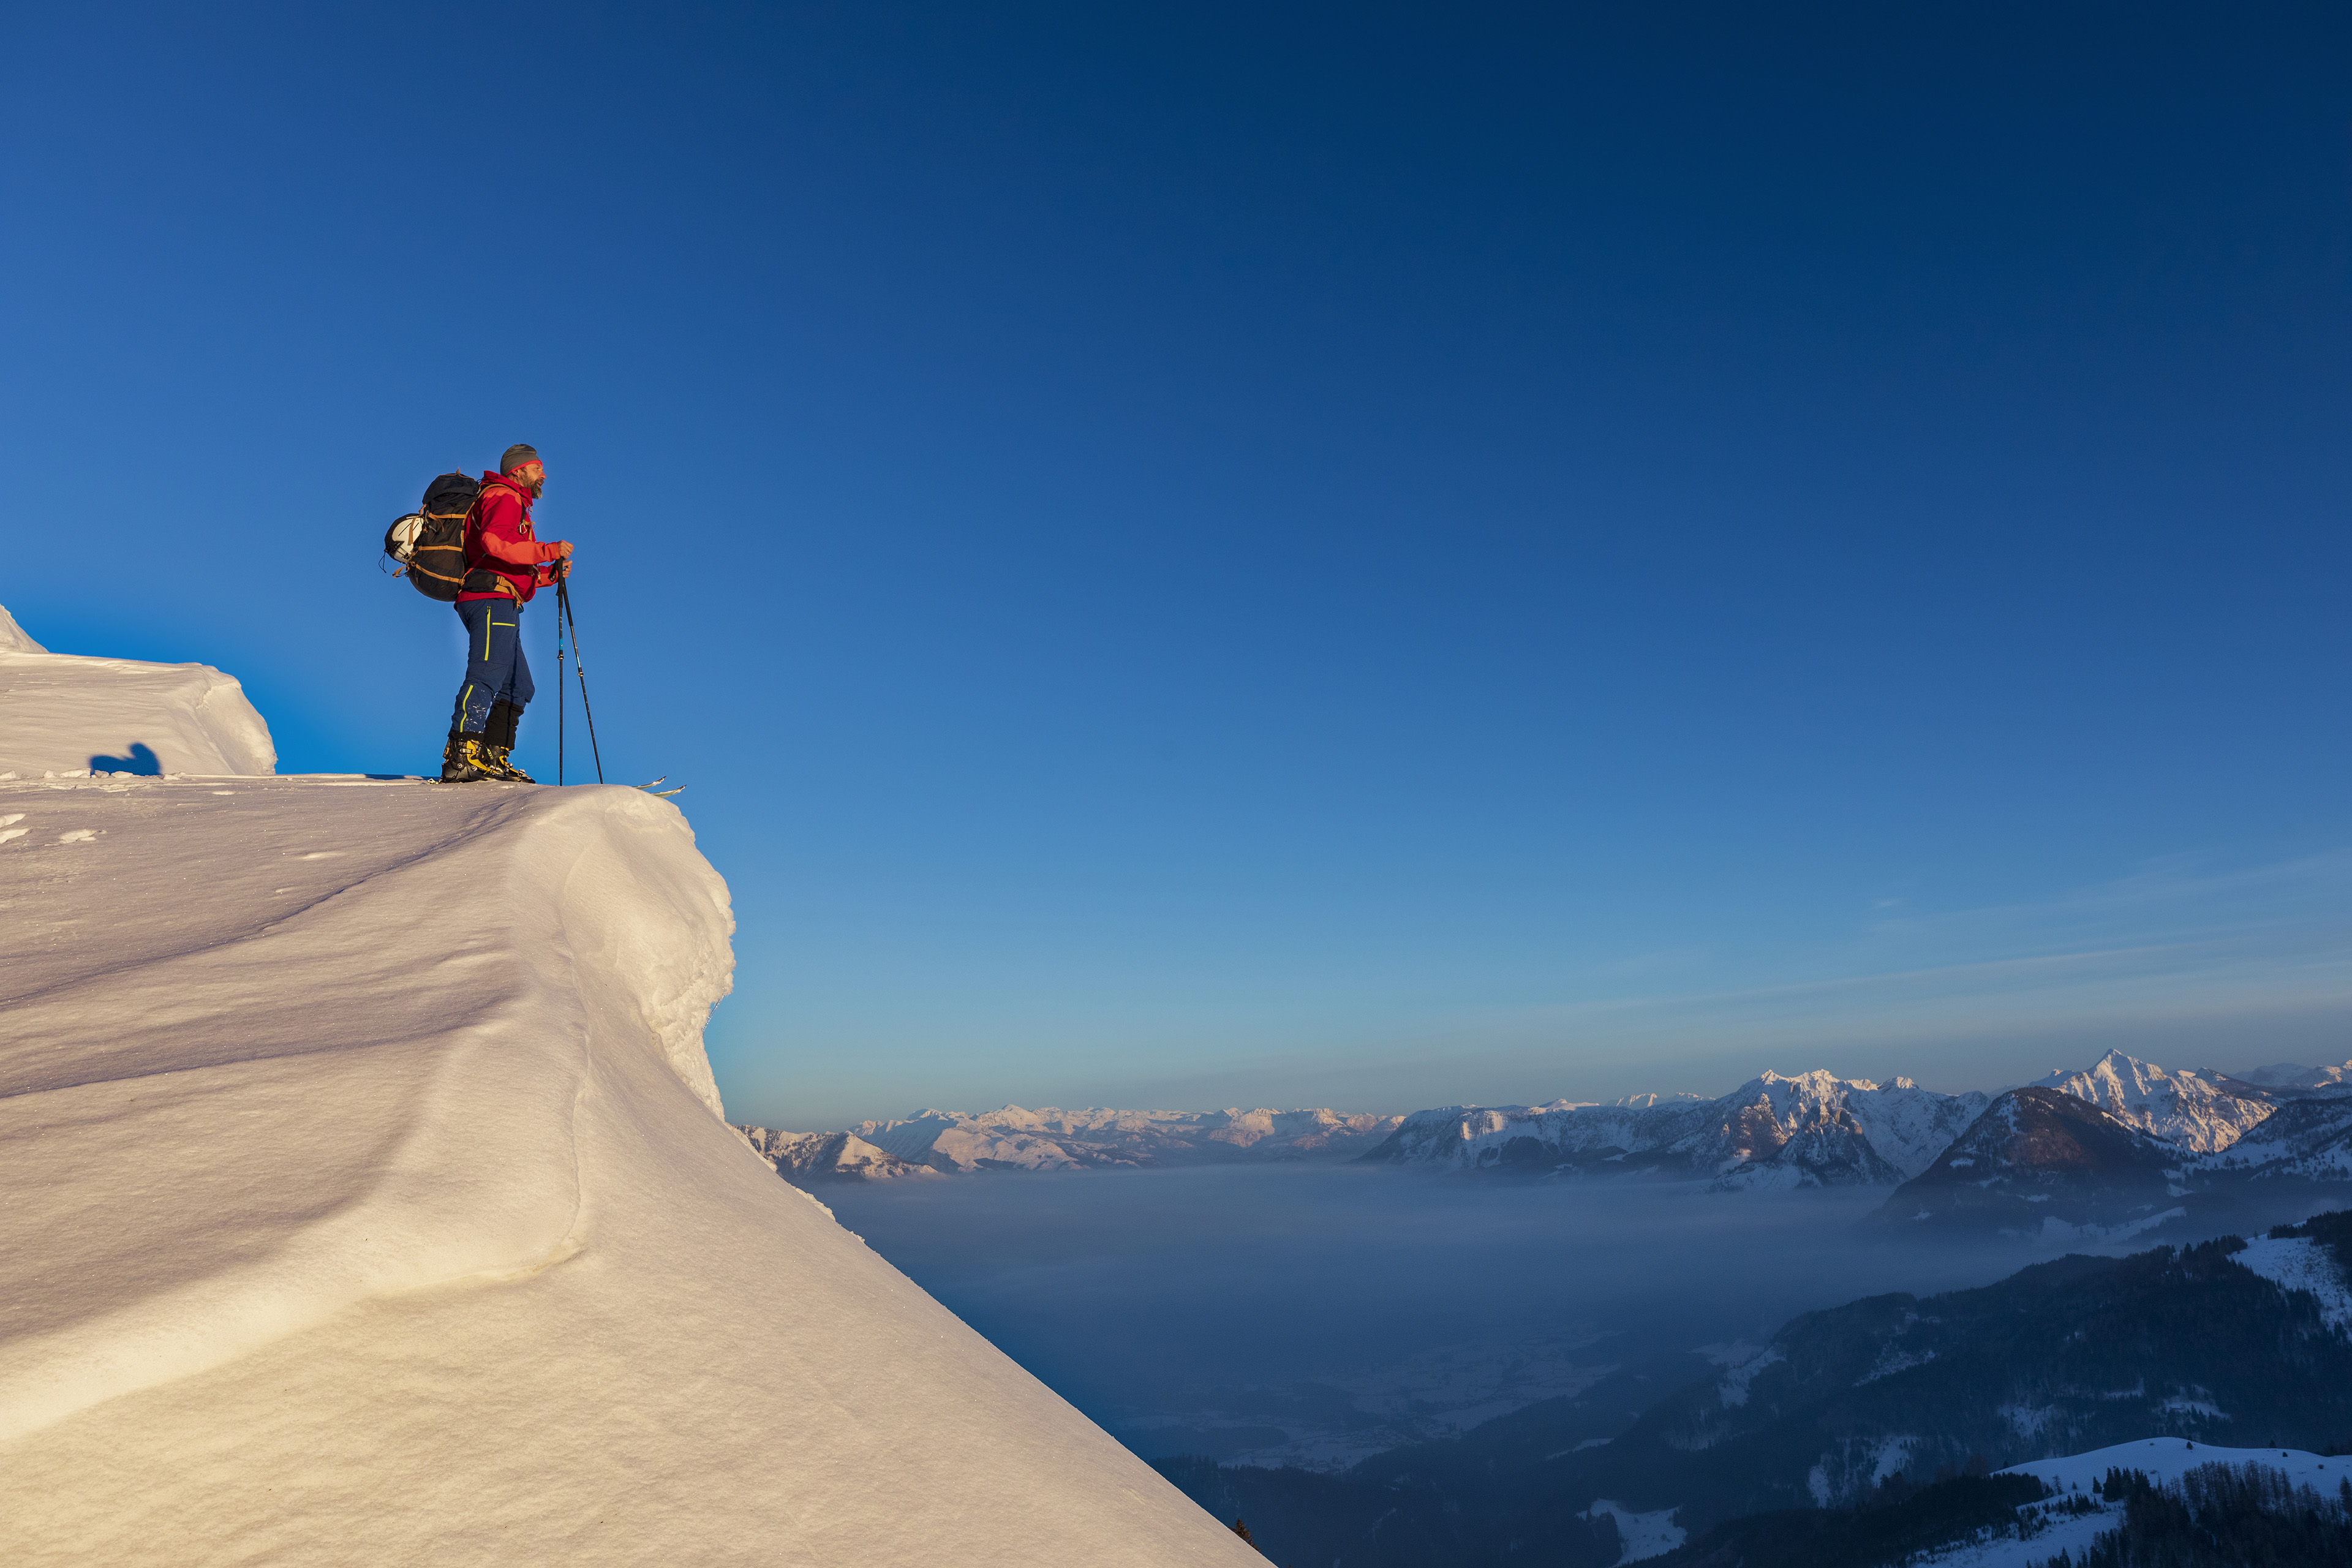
{"x": 499, "y": 539}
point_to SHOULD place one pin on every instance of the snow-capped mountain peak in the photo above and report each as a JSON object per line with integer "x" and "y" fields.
{"x": 2198, "y": 1110}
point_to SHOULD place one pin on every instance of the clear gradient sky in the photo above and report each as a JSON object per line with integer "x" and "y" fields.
{"x": 1304, "y": 554}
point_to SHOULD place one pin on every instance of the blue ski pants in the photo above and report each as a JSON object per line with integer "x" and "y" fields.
{"x": 495, "y": 670}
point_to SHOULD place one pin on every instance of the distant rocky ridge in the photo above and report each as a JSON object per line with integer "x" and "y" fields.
{"x": 1810, "y": 1130}
{"x": 2041, "y": 1162}
{"x": 2303, "y": 1141}
{"x": 1013, "y": 1138}
{"x": 804, "y": 1157}
{"x": 2288, "y": 1076}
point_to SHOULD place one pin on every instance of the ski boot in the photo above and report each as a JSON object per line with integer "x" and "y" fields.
{"x": 500, "y": 762}
{"x": 466, "y": 760}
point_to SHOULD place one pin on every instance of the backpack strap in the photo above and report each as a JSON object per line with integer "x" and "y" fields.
{"x": 473, "y": 582}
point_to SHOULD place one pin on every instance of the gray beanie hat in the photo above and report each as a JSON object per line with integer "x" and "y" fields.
{"x": 517, "y": 455}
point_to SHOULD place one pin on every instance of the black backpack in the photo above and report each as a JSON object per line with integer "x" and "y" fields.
{"x": 429, "y": 543}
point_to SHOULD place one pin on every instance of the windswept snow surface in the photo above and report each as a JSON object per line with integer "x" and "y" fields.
{"x": 63, "y": 713}
{"x": 368, "y": 1197}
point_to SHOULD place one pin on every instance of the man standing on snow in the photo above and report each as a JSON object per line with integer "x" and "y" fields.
{"x": 504, "y": 567}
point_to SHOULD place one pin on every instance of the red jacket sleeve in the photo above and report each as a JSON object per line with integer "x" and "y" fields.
{"x": 501, "y": 518}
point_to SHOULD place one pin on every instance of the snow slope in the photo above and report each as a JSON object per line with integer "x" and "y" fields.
{"x": 2165, "y": 1459}
{"x": 13, "y": 638}
{"x": 1644, "y": 1535}
{"x": 369, "y": 1197}
{"x": 67, "y": 714}
{"x": 2300, "y": 1263}
{"x": 2161, "y": 1459}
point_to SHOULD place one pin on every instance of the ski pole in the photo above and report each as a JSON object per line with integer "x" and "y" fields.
{"x": 560, "y": 704}
{"x": 579, "y": 669}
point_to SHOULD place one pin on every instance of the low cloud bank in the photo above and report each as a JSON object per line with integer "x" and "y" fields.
{"x": 1316, "y": 1313}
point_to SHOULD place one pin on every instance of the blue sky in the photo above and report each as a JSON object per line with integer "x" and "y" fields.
{"x": 1299, "y": 554}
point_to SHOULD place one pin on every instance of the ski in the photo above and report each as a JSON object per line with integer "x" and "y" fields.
{"x": 665, "y": 793}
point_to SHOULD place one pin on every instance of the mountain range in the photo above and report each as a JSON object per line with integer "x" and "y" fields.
{"x": 2057, "y": 1164}
{"x": 1772, "y": 1131}
{"x": 2151, "y": 1130}
{"x": 1013, "y": 1138}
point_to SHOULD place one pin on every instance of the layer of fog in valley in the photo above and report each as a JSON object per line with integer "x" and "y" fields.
{"x": 1317, "y": 1314}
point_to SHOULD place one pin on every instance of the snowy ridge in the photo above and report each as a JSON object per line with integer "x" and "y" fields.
{"x": 13, "y": 638}
{"x": 2196, "y": 1111}
{"x": 68, "y": 714}
{"x": 1013, "y": 1138}
{"x": 1812, "y": 1130}
{"x": 2169, "y": 1459}
{"x": 368, "y": 1184}
{"x": 2076, "y": 1476}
